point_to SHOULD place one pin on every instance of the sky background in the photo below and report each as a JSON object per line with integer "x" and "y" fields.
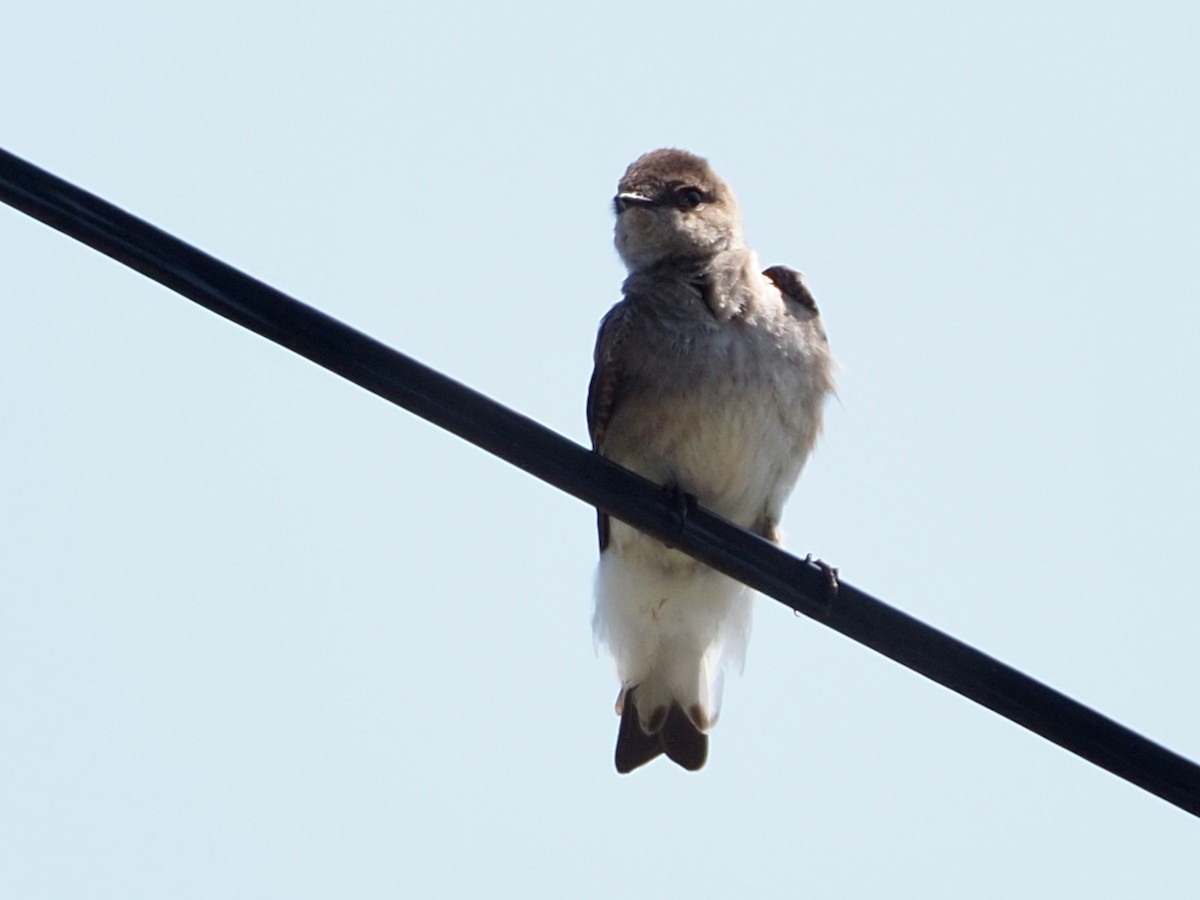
{"x": 264, "y": 635}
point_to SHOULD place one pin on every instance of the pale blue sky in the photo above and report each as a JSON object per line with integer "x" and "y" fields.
{"x": 263, "y": 635}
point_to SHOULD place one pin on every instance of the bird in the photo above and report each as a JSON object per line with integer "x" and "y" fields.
{"x": 710, "y": 379}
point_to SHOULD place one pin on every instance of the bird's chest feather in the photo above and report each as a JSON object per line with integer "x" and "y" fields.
{"x": 724, "y": 412}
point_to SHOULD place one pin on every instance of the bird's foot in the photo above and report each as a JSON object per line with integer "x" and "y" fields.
{"x": 830, "y": 573}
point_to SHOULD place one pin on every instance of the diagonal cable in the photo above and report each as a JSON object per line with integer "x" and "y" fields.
{"x": 799, "y": 584}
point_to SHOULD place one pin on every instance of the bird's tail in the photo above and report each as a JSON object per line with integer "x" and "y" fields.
{"x": 672, "y": 633}
{"x": 668, "y": 729}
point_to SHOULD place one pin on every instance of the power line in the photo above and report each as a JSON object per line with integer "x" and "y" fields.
{"x": 799, "y": 584}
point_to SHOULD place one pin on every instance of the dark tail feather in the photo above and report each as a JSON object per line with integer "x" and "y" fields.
{"x": 683, "y": 742}
{"x": 675, "y": 735}
{"x": 634, "y": 747}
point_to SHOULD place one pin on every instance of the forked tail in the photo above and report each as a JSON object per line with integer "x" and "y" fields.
{"x": 667, "y": 729}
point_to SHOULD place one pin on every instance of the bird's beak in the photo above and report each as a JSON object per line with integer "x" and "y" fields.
{"x": 622, "y": 202}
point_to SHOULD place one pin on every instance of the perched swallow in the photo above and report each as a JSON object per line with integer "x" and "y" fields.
{"x": 710, "y": 379}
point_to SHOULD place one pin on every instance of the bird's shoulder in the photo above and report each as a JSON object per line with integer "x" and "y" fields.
{"x": 790, "y": 284}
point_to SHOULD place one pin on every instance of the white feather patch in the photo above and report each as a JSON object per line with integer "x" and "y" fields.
{"x": 671, "y": 628}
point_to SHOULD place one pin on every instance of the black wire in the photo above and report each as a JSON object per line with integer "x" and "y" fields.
{"x": 799, "y": 584}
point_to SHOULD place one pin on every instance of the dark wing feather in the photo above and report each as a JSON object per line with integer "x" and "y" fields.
{"x": 605, "y": 386}
{"x": 791, "y": 285}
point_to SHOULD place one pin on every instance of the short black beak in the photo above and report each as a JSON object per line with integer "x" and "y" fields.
{"x": 622, "y": 202}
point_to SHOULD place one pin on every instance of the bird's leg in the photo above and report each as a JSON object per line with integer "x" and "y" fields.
{"x": 682, "y": 505}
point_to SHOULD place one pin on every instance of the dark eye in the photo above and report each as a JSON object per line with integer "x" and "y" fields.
{"x": 689, "y": 197}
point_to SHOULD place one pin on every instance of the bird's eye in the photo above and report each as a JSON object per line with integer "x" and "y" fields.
{"x": 689, "y": 197}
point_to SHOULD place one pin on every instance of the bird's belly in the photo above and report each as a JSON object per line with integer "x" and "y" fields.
{"x": 729, "y": 442}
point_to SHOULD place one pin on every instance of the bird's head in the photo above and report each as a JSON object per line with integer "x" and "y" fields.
{"x": 671, "y": 205}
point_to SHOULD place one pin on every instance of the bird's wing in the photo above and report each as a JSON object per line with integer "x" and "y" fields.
{"x": 605, "y": 387}
{"x": 791, "y": 285}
